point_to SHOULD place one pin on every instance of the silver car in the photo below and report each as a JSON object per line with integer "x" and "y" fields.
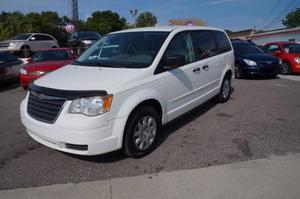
{"x": 29, "y": 42}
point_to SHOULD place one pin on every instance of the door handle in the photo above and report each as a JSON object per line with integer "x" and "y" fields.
{"x": 196, "y": 70}
{"x": 205, "y": 67}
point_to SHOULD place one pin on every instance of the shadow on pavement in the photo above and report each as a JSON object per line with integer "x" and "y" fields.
{"x": 5, "y": 86}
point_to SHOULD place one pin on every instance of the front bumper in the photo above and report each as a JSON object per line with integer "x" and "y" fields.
{"x": 94, "y": 134}
{"x": 261, "y": 71}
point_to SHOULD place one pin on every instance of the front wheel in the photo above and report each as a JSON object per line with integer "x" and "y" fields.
{"x": 141, "y": 132}
{"x": 225, "y": 91}
{"x": 238, "y": 72}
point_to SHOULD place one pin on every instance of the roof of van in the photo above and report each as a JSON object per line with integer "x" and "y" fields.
{"x": 167, "y": 29}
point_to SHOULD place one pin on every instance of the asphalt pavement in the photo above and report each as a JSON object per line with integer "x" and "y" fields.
{"x": 261, "y": 120}
{"x": 273, "y": 178}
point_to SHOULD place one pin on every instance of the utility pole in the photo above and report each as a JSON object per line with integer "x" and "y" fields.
{"x": 134, "y": 13}
{"x": 74, "y": 10}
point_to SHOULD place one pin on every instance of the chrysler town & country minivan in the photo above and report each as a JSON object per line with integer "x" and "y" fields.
{"x": 122, "y": 89}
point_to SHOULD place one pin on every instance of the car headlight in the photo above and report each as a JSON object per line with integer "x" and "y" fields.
{"x": 87, "y": 41}
{"x": 12, "y": 43}
{"x": 297, "y": 59}
{"x": 91, "y": 106}
{"x": 38, "y": 72}
{"x": 23, "y": 71}
{"x": 250, "y": 62}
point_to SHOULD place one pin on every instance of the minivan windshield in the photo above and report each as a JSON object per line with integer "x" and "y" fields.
{"x": 124, "y": 50}
{"x": 292, "y": 48}
{"x": 246, "y": 48}
{"x": 24, "y": 36}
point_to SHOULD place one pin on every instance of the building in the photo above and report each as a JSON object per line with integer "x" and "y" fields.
{"x": 287, "y": 35}
{"x": 243, "y": 34}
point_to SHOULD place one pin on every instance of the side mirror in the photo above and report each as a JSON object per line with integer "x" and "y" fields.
{"x": 32, "y": 38}
{"x": 174, "y": 61}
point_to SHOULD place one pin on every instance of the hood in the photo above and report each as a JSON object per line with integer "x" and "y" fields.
{"x": 259, "y": 57}
{"x": 46, "y": 65}
{"x": 9, "y": 41}
{"x": 73, "y": 77}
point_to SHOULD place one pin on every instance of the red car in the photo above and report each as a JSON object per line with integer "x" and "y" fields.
{"x": 288, "y": 52}
{"x": 43, "y": 62}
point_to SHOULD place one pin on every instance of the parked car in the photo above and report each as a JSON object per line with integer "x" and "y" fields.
{"x": 121, "y": 96}
{"x": 27, "y": 43}
{"x": 250, "y": 60}
{"x": 82, "y": 40}
{"x": 289, "y": 53}
{"x": 43, "y": 62}
{"x": 9, "y": 66}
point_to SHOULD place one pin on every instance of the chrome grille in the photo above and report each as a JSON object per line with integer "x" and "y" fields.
{"x": 44, "y": 108}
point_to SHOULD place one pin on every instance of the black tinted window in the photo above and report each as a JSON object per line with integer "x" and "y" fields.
{"x": 51, "y": 55}
{"x": 245, "y": 48}
{"x": 45, "y": 38}
{"x": 222, "y": 41}
{"x": 181, "y": 45}
{"x": 204, "y": 43}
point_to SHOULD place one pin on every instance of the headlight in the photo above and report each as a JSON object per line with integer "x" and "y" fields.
{"x": 87, "y": 41}
{"x": 297, "y": 59}
{"x": 12, "y": 43}
{"x": 91, "y": 106}
{"x": 250, "y": 62}
{"x": 23, "y": 71}
{"x": 38, "y": 72}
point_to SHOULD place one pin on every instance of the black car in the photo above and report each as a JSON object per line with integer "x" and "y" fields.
{"x": 250, "y": 60}
{"x": 10, "y": 66}
{"x": 82, "y": 40}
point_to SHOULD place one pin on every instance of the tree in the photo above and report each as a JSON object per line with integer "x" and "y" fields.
{"x": 183, "y": 22}
{"x": 146, "y": 19}
{"x": 292, "y": 19}
{"x": 105, "y": 22}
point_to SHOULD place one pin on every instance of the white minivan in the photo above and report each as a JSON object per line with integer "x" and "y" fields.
{"x": 121, "y": 90}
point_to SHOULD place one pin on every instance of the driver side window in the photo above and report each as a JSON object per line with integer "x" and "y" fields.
{"x": 181, "y": 45}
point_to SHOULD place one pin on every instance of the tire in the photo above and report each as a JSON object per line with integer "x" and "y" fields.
{"x": 238, "y": 72}
{"x": 225, "y": 90}
{"x": 141, "y": 132}
{"x": 25, "y": 51}
{"x": 285, "y": 68}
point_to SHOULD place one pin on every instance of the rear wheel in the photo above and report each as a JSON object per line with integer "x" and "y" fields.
{"x": 141, "y": 132}
{"x": 225, "y": 90}
{"x": 286, "y": 68}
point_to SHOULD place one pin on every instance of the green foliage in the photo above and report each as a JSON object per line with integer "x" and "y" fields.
{"x": 292, "y": 20}
{"x": 105, "y": 22}
{"x": 146, "y": 19}
{"x": 51, "y": 23}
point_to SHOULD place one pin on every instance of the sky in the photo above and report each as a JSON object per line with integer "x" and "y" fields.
{"x": 226, "y": 14}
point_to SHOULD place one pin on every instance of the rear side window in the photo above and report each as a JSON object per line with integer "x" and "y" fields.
{"x": 204, "y": 44}
{"x": 222, "y": 41}
{"x": 45, "y": 38}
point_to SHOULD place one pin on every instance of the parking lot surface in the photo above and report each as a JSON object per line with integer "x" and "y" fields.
{"x": 261, "y": 119}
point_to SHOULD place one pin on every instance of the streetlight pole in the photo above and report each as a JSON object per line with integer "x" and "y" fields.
{"x": 134, "y": 13}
